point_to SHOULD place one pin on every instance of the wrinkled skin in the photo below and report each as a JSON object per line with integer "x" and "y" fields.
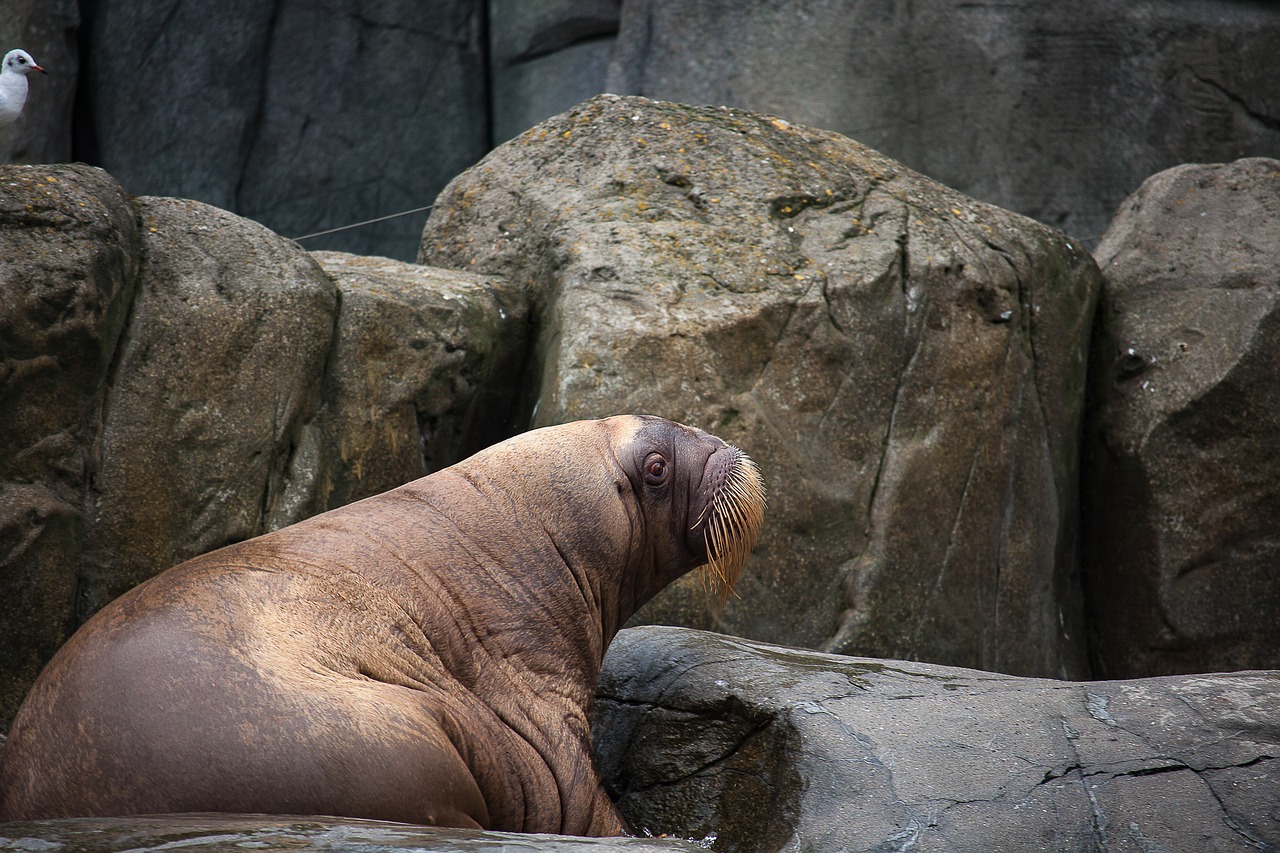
{"x": 426, "y": 655}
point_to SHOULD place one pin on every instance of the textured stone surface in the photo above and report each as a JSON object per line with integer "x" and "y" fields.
{"x": 423, "y": 372}
{"x": 241, "y": 832}
{"x": 906, "y": 364}
{"x": 1056, "y": 116}
{"x": 68, "y": 251}
{"x": 1183, "y": 508}
{"x": 778, "y": 749}
{"x": 218, "y": 370}
{"x": 302, "y": 115}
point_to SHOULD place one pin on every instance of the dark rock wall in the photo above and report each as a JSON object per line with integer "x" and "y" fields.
{"x": 301, "y": 115}
{"x": 312, "y": 115}
{"x": 50, "y": 31}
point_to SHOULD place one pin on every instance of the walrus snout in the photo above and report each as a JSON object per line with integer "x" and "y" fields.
{"x": 731, "y": 517}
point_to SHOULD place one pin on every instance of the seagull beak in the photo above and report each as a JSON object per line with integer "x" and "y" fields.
{"x": 35, "y": 67}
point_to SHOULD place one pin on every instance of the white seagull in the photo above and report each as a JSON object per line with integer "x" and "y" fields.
{"x": 13, "y": 84}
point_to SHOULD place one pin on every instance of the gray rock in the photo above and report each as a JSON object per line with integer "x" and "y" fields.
{"x": 545, "y": 57}
{"x": 301, "y": 115}
{"x": 1183, "y": 511}
{"x": 1055, "y": 115}
{"x": 68, "y": 253}
{"x": 907, "y": 365}
{"x": 49, "y": 31}
{"x": 423, "y": 372}
{"x": 217, "y": 372}
{"x": 770, "y": 748}
{"x": 239, "y": 833}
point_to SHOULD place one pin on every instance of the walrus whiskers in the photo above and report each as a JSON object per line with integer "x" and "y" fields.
{"x": 733, "y": 519}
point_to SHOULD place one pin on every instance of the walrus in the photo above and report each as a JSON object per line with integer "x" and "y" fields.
{"x": 427, "y": 655}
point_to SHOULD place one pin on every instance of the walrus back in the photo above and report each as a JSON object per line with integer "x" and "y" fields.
{"x": 179, "y": 698}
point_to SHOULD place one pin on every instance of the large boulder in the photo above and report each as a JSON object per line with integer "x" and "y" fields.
{"x": 1057, "y": 116}
{"x": 769, "y": 749}
{"x": 424, "y": 371}
{"x": 68, "y": 257}
{"x": 300, "y": 115}
{"x": 906, "y": 364}
{"x": 1182, "y": 503}
{"x": 216, "y": 374}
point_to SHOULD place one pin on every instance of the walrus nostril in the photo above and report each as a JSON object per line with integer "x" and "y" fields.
{"x": 733, "y": 517}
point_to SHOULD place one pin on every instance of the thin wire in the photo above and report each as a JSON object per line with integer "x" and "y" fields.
{"x": 366, "y": 222}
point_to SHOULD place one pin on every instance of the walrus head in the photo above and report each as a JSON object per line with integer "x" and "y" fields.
{"x": 711, "y": 493}
{"x": 628, "y": 504}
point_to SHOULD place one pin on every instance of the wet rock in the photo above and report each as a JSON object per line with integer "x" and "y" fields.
{"x": 1182, "y": 508}
{"x": 207, "y": 832}
{"x": 771, "y": 748}
{"x": 906, "y": 364}
{"x": 69, "y": 249}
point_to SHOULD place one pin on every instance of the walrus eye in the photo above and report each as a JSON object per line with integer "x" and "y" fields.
{"x": 655, "y": 470}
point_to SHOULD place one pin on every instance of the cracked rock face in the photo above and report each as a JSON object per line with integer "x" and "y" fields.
{"x": 770, "y": 748}
{"x": 906, "y": 364}
{"x": 1184, "y": 443}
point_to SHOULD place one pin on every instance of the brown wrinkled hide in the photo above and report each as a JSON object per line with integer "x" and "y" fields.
{"x": 426, "y": 655}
